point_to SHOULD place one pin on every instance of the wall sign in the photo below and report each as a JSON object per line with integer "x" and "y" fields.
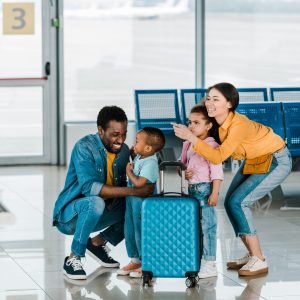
{"x": 18, "y": 18}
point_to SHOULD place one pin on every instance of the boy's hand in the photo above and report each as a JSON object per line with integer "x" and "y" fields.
{"x": 188, "y": 174}
{"x": 129, "y": 168}
{"x": 213, "y": 200}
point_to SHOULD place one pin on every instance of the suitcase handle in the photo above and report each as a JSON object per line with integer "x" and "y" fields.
{"x": 164, "y": 164}
{"x": 162, "y": 167}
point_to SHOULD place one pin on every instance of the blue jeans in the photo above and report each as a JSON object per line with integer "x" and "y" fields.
{"x": 202, "y": 191}
{"x": 244, "y": 190}
{"x": 133, "y": 226}
{"x": 90, "y": 214}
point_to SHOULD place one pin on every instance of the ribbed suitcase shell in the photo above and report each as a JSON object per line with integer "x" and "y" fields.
{"x": 170, "y": 236}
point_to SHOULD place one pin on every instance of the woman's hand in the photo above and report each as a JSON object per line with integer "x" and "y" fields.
{"x": 184, "y": 133}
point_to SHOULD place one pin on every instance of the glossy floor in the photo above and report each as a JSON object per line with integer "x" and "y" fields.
{"x": 32, "y": 252}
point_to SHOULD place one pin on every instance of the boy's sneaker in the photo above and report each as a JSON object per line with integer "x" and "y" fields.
{"x": 73, "y": 268}
{"x": 254, "y": 266}
{"x": 128, "y": 268}
{"x": 239, "y": 262}
{"x": 136, "y": 273}
{"x": 208, "y": 269}
{"x": 100, "y": 254}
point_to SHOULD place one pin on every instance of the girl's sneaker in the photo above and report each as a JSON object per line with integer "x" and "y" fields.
{"x": 208, "y": 269}
{"x": 136, "y": 273}
{"x": 131, "y": 267}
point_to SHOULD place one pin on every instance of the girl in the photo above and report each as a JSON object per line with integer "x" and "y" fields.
{"x": 204, "y": 184}
{"x": 267, "y": 162}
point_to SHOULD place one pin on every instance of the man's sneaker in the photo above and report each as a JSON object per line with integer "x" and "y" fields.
{"x": 136, "y": 273}
{"x": 73, "y": 268}
{"x": 208, "y": 269}
{"x": 254, "y": 266}
{"x": 100, "y": 254}
{"x": 239, "y": 262}
{"x": 128, "y": 268}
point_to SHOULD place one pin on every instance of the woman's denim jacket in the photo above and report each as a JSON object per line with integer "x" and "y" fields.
{"x": 88, "y": 170}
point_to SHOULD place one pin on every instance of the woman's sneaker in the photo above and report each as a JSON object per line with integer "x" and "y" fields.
{"x": 73, "y": 268}
{"x": 136, "y": 273}
{"x": 128, "y": 268}
{"x": 254, "y": 266}
{"x": 239, "y": 262}
{"x": 208, "y": 269}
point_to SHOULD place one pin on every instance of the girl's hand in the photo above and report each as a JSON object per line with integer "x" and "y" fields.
{"x": 188, "y": 174}
{"x": 184, "y": 133}
{"x": 129, "y": 168}
{"x": 213, "y": 200}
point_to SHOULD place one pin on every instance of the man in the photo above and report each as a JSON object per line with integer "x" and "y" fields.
{"x": 93, "y": 196}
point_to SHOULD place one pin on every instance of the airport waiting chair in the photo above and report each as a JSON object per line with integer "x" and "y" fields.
{"x": 292, "y": 126}
{"x": 157, "y": 108}
{"x": 253, "y": 95}
{"x": 290, "y": 94}
{"x": 189, "y": 98}
{"x": 266, "y": 113}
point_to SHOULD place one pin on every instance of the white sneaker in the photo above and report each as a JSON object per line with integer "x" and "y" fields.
{"x": 254, "y": 266}
{"x": 239, "y": 262}
{"x": 208, "y": 269}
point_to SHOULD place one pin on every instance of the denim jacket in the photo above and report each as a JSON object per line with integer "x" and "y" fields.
{"x": 88, "y": 170}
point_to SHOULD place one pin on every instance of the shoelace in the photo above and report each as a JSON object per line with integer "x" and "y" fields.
{"x": 252, "y": 262}
{"x": 75, "y": 262}
{"x": 106, "y": 250}
{"x": 246, "y": 256}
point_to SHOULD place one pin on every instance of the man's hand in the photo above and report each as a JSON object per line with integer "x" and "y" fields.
{"x": 189, "y": 174}
{"x": 144, "y": 191}
{"x": 129, "y": 168}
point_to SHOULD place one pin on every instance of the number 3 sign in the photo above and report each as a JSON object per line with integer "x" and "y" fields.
{"x": 18, "y": 18}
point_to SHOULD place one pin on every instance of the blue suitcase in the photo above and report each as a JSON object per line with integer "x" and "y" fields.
{"x": 171, "y": 234}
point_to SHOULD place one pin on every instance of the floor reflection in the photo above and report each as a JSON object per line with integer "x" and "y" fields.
{"x": 32, "y": 252}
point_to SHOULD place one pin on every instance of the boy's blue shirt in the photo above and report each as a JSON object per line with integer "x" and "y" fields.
{"x": 146, "y": 167}
{"x": 88, "y": 171}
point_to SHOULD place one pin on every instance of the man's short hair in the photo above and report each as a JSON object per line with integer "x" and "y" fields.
{"x": 110, "y": 113}
{"x": 155, "y": 137}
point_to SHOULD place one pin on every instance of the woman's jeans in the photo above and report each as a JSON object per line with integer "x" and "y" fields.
{"x": 90, "y": 214}
{"x": 202, "y": 191}
{"x": 244, "y": 190}
{"x": 133, "y": 226}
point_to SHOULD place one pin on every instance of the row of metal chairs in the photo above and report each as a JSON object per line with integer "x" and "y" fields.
{"x": 159, "y": 108}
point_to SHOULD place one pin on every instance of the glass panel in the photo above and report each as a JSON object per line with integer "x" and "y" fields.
{"x": 113, "y": 47}
{"x": 253, "y": 43}
{"x": 21, "y": 121}
{"x": 21, "y": 53}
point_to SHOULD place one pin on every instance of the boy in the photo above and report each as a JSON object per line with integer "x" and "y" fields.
{"x": 143, "y": 170}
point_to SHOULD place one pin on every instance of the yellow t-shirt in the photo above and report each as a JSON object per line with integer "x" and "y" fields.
{"x": 110, "y": 174}
{"x": 242, "y": 139}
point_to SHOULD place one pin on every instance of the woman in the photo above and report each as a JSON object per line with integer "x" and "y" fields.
{"x": 267, "y": 162}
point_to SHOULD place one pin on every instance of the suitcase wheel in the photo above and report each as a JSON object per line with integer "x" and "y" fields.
{"x": 190, "y": 282}
{"x": 146, "y": 280}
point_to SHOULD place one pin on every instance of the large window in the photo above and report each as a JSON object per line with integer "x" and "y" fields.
{"x": 253, "y": 43}
{"x": 113, "y": 47}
